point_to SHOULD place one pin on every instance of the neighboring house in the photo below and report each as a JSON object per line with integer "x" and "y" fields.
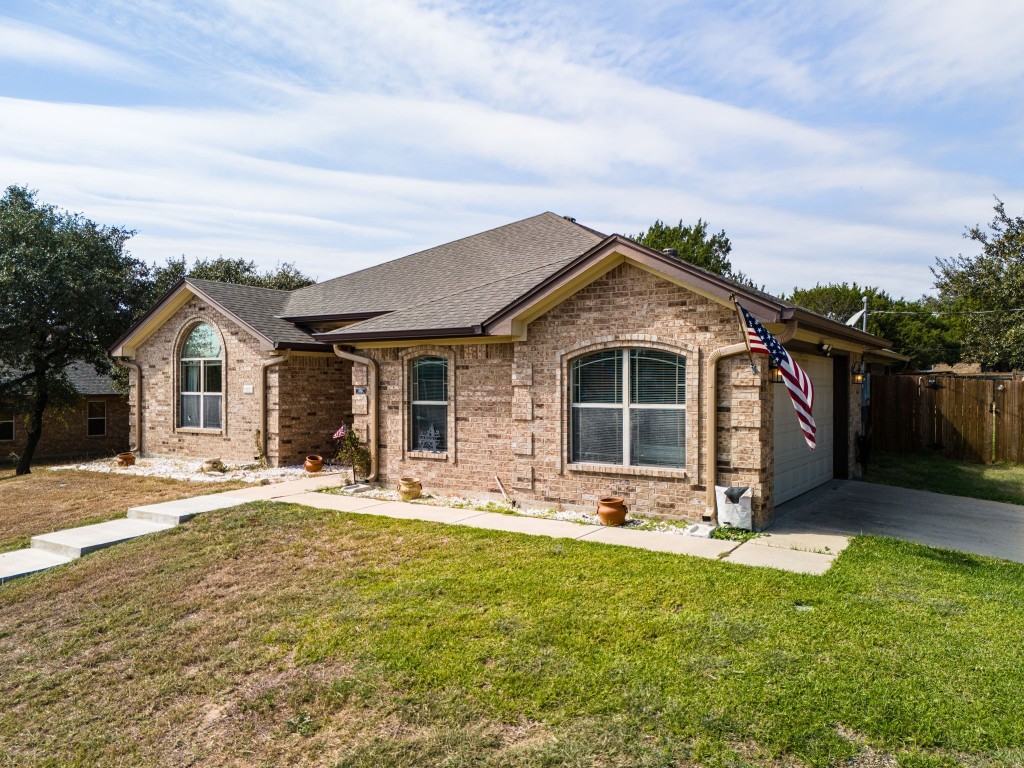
{"x": 567, "y": 363}
{"x": 96, "y": 424}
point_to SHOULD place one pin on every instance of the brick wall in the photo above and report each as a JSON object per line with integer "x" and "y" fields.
{"x": 508, "y": 409}
{"x": 65, "y": 431}
{"x": 316, "y": 401}
{"x": 307, "y": 398}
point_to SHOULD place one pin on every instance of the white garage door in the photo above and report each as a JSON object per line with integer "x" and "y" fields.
{"x": 798, "y": 469}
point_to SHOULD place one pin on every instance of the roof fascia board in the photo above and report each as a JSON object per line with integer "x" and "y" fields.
{"x": 835, "y": 330}
{"x": 403, "y": 335}
{"x": 602, "y": 258}
{"x": 333, "y": 317}
{"x": 450, "y": 341}
{"x": 150, "y": 322}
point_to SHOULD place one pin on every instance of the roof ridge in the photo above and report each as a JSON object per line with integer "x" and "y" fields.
{"x": 187, "y": 278}
{"x": 422, "y": 251}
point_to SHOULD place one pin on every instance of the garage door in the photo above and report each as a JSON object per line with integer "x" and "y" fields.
{"x": 797, "y": 469}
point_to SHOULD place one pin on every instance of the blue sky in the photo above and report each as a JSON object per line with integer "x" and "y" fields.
{"x": 832, "y": 141}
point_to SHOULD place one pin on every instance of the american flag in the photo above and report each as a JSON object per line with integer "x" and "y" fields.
{"x": 801, "y": 390}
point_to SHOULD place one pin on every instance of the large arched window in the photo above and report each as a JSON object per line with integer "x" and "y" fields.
{"x": 429, "y": 405}
{"x": 628, "y": 407}
{"x": 201, "y": 384}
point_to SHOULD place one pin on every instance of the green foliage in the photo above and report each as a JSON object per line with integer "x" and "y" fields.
{"x": 726, "y": 533}
{"x": 350, "y": 451}
{"x": 926, "y": 338}
{"x": 284, "y": 277}
{"x": 70, "y": 289}
{"x": 991, "y": 280}
{"x": 693, "y": 244}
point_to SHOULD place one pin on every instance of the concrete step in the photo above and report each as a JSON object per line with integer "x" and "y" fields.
{"x": 75, "y": 542}
{"x": 22, "y": 562}
{"x": 180, "y": 510}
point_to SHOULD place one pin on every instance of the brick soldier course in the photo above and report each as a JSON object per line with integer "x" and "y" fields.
{"x": 509, "y": 310}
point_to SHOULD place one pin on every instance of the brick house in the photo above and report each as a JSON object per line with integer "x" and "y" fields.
{"x": 567, "y": 363}
{"x": 96, "y": 424}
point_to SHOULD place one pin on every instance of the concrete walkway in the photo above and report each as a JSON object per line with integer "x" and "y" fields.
{"x": 850, "y": 508}
{"x": 797, "y": 551}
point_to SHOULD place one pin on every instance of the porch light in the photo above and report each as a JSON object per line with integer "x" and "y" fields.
{"x": 857, "y": 371}
{"x": 774, "y": 368}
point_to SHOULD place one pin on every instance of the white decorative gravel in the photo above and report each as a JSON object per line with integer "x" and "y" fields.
{"x": 550, "y": 513}
{"x": 191, "y": 469}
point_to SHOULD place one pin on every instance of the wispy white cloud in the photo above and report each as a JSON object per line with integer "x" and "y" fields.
{"x": 340, "y": 134}
{"x": 39, "y": 46}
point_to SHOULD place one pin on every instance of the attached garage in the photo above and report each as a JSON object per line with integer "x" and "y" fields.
{"x": 797, "y": 468}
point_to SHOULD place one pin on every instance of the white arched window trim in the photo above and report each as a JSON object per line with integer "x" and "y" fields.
{"x": 201, "y": 379}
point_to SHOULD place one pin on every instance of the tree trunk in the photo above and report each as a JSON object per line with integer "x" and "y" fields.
{"x": 36, "y": 429}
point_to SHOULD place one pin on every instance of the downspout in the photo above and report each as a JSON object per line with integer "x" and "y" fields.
{"x": 371, "y": 391}
{"x": 711, "y": 431}
{"x": 264, "y": 441}
{"x": 132, "y": 365}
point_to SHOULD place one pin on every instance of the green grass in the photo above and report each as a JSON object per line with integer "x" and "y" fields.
{"x": 933, "y": 472}
{"x": 275, "y": 634}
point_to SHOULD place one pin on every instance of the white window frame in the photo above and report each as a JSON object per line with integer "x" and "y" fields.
{"x": 626, "y": 406}
{"x": 203, "y": 362}
{"x": 413, "y": 448}
{"x": 89, "y": 419}
{"x": 10, "y": 421}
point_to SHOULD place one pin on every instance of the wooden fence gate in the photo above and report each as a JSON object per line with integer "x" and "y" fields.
{"x": 967, "y": 419}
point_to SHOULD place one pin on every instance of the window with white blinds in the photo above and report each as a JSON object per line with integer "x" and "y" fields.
{"x": 628, "y": 407}
{"x": 429, "y": 405}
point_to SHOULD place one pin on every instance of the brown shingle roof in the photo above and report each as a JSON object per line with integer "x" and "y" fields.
{"x": 483, "y": 270}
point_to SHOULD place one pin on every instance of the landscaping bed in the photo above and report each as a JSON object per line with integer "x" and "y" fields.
{"x": 192, "y": 470}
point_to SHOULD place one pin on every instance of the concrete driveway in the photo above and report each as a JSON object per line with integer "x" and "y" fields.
{"x": 850, "y": 508}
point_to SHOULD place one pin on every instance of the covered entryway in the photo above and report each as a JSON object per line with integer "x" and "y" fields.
{"x": 798, "y": 469}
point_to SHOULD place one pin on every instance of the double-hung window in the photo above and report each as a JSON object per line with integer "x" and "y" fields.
{"x": 6, "y": 425}
{"x": 202, "y": 382}
{"x": 429, "y": 405}
{"x": 96, "y": 418}
{"x": 628, "y": 407}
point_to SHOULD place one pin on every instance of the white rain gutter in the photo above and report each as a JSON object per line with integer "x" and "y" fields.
{"x": 263, "y": 399}
{"x": 711, "y": 431}
{"x": 371, "y": 392}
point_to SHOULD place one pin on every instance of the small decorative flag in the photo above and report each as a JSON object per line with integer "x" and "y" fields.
{"x": 801, "y": 390}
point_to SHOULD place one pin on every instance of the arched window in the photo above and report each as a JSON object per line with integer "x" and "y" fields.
{"x": 202, "y": 381}
{"x": 628, "y": 407}
{"x": 428, "y": 399}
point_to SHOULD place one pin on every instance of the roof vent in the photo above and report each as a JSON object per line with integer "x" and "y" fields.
{"x": 570, "y": 218}
{"x": 673, "y": 252}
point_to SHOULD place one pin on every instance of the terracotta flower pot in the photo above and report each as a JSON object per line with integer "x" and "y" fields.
{"x": 612, "y": 510}
{"x": 125, "y": 459}
{"x": 409, "y": 488}
{"x": 314, "y": 463}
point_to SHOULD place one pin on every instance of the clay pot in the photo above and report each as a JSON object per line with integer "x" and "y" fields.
{"x": 314, "y": 463}
{"x": 409, "y": 488}
{"x": 612, "y": 510}
{"x": 125, "y": 459}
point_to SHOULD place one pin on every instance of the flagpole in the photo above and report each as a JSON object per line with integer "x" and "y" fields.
{"x": 743, "y": 332}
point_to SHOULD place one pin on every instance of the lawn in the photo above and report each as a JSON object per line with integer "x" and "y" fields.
{"x": 272, "y": 634}
{"x": 933, "y": 472}
{"x": 45, "y": 501}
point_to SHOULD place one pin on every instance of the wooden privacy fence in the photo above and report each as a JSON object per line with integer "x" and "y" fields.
{"x": 968, "y": 419}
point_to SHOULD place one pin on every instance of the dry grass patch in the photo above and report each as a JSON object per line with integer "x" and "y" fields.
{"x": 45, "y": 501}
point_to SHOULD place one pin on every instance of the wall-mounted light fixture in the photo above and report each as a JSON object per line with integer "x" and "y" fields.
{"x": 857, "y": 372}
{"x": 774, "y": 368}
